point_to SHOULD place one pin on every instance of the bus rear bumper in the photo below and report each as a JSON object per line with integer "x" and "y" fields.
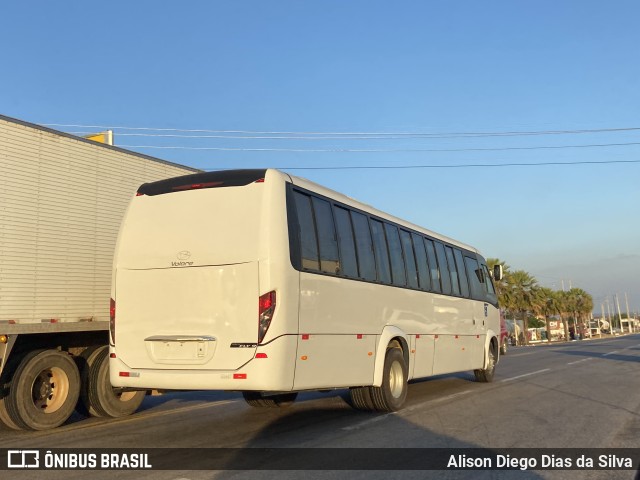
{"x": 271, "y": 369}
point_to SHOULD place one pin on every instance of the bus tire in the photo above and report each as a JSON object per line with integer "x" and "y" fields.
{"x": 391, "y": 395}
{"x": 486, "y": 374}
{"x": 361, "y": 398}
{"x": 503, "y": 347}
{"x": 101, "y": 397}
{"x": 44, "y": 391}
{"x": 260, "y": 400}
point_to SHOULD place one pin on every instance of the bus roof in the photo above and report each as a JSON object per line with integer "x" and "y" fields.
{"x": 327, "y": 192}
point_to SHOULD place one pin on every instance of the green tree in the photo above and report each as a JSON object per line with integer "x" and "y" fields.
{"x": 550, "y": 306}
{"x": 520, "y": 296}
{"x": 501, "y": 286}
{"x": 582, "y": 305}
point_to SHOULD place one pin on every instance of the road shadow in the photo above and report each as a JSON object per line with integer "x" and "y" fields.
{"x": 362, "y": 445}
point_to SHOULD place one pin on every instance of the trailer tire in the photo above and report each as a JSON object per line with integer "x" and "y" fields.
{"x": 101, "y": 397}
{"x": 258, "y": 399}
{"x": 44, "y": 390}
{"x": 5, "y": 418}
{"x": 84, "y": 362}
{"x": 5, "y": 386}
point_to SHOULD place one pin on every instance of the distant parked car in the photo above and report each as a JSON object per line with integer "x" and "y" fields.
{"x": 504, "y": 335}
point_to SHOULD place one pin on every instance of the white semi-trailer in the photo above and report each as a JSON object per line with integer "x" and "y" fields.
{"x": 62, "y": 199}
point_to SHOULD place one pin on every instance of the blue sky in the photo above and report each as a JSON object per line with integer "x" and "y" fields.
{"x": 422, "y": 67}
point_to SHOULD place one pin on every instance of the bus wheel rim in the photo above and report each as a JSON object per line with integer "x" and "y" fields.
{"x": 396, "y": 379}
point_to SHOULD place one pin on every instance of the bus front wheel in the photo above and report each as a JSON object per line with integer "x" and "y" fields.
{"x": 486, "y": 374}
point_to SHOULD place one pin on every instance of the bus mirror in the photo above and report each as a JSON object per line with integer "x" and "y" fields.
{"x": 497, "y": 272}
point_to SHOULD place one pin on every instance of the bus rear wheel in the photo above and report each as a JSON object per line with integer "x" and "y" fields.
{"x": 361, "y": 398}
{"x": 391, "y": 395}
{"x": 259, "y": 399}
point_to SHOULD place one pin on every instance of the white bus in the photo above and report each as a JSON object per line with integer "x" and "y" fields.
{"x": 269, "y": 284}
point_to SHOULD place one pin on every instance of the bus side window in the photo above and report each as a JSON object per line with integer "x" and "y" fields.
{"x": 476, "y": 279}
{"x": 398, "y": 272}
{"x": 366, "y": 261}
{"x": 381, "y": 251}
{"x": 409, "y": 256}
{"x": 491, "y": 291}
{"x": 327, "y": 241}
{"x": 464, "y": 283}
{"x": 421, "y": 261}
{"x": 346, "y": 242}
{"x": 433, "y": 265}
{"x": 453, "y": 271}
{"x": 308, "y": 240}
{"x": 445, "y": 276}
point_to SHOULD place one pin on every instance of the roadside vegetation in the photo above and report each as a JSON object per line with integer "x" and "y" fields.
{"x": 523, "y": 299}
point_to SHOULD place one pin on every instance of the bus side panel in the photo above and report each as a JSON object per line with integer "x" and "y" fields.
{"x": 459, "y": 342}
{"x": 344, "y": 319}
{"x": 423, "y": 357}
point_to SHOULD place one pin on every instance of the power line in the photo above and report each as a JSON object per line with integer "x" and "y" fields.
{"x": 465, "y": 165}
{"x": 380, "y": 150}
{"x": 298, "y": 135}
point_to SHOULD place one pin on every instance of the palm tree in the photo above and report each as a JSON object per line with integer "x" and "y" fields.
{"x": 550, "y": 305}
{"x": 582, "y": 305}
{"x": 502, "y": 284}
{"x": 520, "y": 296}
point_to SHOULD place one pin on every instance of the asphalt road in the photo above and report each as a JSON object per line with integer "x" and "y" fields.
{"x": 583, "y": 394}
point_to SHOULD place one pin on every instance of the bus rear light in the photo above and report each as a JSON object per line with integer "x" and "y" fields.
{"x": 260, "y": 180}
{"x": 129, "y": 374}
{"x": 112, "y": 320}
{"x": 112, "y": 355}
{"x": 266, "y": 307}
{"x": 239, "y": 376}
{"x": 261, "y": 355}
{"x": 196, "y": 186}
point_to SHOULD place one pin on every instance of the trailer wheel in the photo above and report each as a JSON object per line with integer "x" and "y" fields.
{"x": 102, "y": 399}
{"x": 5, "y": 386}
{"x": 392, "y": 394}
{"x": 44, "y": 390}
{"x": 258, "y": 399}
{"x": 84, "y": 362}
{"x": 5, "y": 418}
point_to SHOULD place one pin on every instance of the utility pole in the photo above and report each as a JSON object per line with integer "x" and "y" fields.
{"x": 619, "y": 314}
{"x": 626, "y": 301}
